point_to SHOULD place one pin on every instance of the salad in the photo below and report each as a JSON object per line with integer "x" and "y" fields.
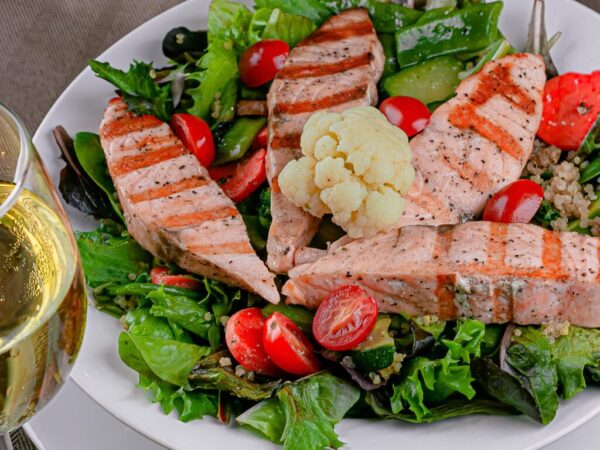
{"x": 373, "y": 324}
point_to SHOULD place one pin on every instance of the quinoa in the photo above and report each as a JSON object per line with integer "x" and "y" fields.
{"x": 560, "y": 181}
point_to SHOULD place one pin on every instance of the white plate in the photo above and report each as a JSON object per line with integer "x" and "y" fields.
{"x": 100, "y": 373}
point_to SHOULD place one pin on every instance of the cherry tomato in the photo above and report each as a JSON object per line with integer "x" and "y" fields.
{"x": 244, "y": 337}
{"x": 262, "y": 139}
{"x": 407, "y": 113}
{"x": 287, "y": 346}
{"x": 514, "y": 203}
{"x": 160, "y": 275}
{"x": 240, "y": 179}
{"x": 196, "y": 136}
{"x": 260, "y": 62}
{"x": 571, "y": 105}
{"x": 345, "y": 318}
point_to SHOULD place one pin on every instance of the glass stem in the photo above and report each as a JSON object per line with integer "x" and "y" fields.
{"x": 7, "y": 441}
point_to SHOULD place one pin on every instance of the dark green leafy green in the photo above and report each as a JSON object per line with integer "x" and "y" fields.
{"x": 309, "y": 409}
{"x": 181, "y": 310}
{"x": 591, "y": 171}
{"x": 440, "y": 32}
{"x": 591, "y": 142}
{"x": 495, "y": 50}
{"x": 91, "y": 157}
{"x": 109, "y": 259}
{"x": 387, "y": 17}
{"x": 169, "y": 360}
{"x": 530, "y": 355}
{"x": 546, "y": 214}
{"x": 138, "y": 87}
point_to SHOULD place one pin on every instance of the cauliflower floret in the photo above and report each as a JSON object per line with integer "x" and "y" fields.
{"x": 356, "y": 166}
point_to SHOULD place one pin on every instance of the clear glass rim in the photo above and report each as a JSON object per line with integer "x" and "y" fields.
{"x": 23, "y": 162}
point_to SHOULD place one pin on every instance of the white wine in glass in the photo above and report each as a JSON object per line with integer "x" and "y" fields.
{"x": 42, "y": 289}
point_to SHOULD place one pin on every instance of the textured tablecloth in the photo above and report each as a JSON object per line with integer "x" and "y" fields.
{"x": 44, "y": 44}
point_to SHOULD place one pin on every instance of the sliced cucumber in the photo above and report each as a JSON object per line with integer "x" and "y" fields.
{"x": 377, "y": 351}
{"x": 431, "y": 81}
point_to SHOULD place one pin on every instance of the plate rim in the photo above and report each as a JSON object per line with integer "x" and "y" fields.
{"x": 121, "y": 416}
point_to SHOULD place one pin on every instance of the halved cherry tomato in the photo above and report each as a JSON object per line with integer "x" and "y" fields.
{"x": 239, "y": 180}
{"x": 260, "y": 62}
{"x": 160, "y": 275}
{"x": 407, "y": 113}
{"x": 345, "y": 318}
{"x": 262, "y": 139}
{"x": 571, "y": 105}
{"x": 196, "y": 136}
{"x": 514, "y": 203}
{"x": 244, "y": 338}
{"x": 287, "y": 346}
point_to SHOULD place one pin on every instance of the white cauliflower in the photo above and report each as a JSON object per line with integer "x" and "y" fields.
{"x": 357, "y": 166}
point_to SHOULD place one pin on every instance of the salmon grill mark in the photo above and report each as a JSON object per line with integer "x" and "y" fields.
{"x": 275, "y": 185}
{"x": 444, "y": 293}
{"x": 427, "y": 201}
{"x": 322, "y": 103}
{"x": 198, "y": 217}
{"x": 136, "y": 162}
{"x": 465, "y": 170}
{"x": 552, "y": 255}
{"x": 337, "y": 34}
{"x": 222, "y": 249}
{"x": 465, "y": 116}
{"x": 147, "y": 141}
{"x": 293, "y": 71}
{"x": 496, "y": 245}
{"x": 290, "y": 140}
{"x": 498, "y": 81}
{"x": 168, "y": 189}
{"x": 129, "y": 124}
{"x": 502, "y": 308}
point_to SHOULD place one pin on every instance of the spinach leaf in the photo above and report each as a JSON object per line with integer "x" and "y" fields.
{"x": 572, "y": 353}
{"x": 387, "y": 17}
{"x": 168, "y": 360}
{"x": 546, "y": 214}
{"x": 110, "y": 259}
{"x": 190, "y": 405}
{"x": 309, "y": 409}
{"x": 445, "y": 410}
{"x": 141, "y": 321}
{"x": 313, "y": 9}
{"x": 138, "y": 87}
{"x": 75, "y": 185}
{"x": 180, "y": 310}
{"x": 91, "y": 157}
{"x": 264, "y": 208}
{"x": 530, "y": 354}
{"x": 217, "y": 68}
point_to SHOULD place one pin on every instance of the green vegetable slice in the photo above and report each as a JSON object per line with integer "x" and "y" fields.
{"x": 431, "y": 81}
{"x": 377, "y": 351}
{"x": 238, "y": 139}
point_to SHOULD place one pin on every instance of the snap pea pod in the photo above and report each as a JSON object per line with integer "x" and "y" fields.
{"x": 440, "y": 32}
{"x": 237, "y": 140}
{"x": 144, "y": 289}
{"x": 387, "y": 17}
{"x": 496, "y": 50}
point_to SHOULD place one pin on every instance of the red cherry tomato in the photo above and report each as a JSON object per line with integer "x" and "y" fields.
{"x": 260, "y": 62}
{"x": 160, "y": 275}
{"x": 345, "y": 318}
{"x": 514, "y": 203}
{"x": 407, "y": 113}
{"x": 244, "y": 337}
{"x": 571, "y": 105}
{"x": 287, "y": 346}
{"x": 196, "y": 136}
{"x": 240, "y": 179}
{"x": 262, "y": 139}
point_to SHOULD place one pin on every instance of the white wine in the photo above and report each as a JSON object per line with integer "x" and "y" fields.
{"x": 42, "y": 306}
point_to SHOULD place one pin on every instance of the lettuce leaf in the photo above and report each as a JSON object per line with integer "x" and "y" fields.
{"x": 434, "y": 380}
{"x": 304, "y": 413}
{"x": 228, "y": 20}
{"x": 313, "y": 9}
{"x": 387, "y": 17}
{"x": 138, "y": 88}
{"x": 290, "y": 28}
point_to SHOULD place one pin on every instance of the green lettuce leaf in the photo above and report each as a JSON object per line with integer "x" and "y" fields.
{"x": 309, "y": 409}
{"x": 228, "y": 20}
{"x": 313, "y": 9}
{"x": 387, "y": 17}
{"x": 217, "y": 77}
{"x": 290, "y": 28}
{"x": 138, "y": 87}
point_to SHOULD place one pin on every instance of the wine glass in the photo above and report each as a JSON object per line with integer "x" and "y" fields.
{"x": 42, "y": 289}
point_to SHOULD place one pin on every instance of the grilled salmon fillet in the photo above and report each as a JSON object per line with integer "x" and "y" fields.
{"x": 477, "y": 142}
{"x": 335, "y": 68}
{"x": 493, "y": 272}
{"x": 173, "y": 208}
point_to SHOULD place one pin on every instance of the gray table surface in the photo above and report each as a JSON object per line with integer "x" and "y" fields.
{"x": 45, "y": 44}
